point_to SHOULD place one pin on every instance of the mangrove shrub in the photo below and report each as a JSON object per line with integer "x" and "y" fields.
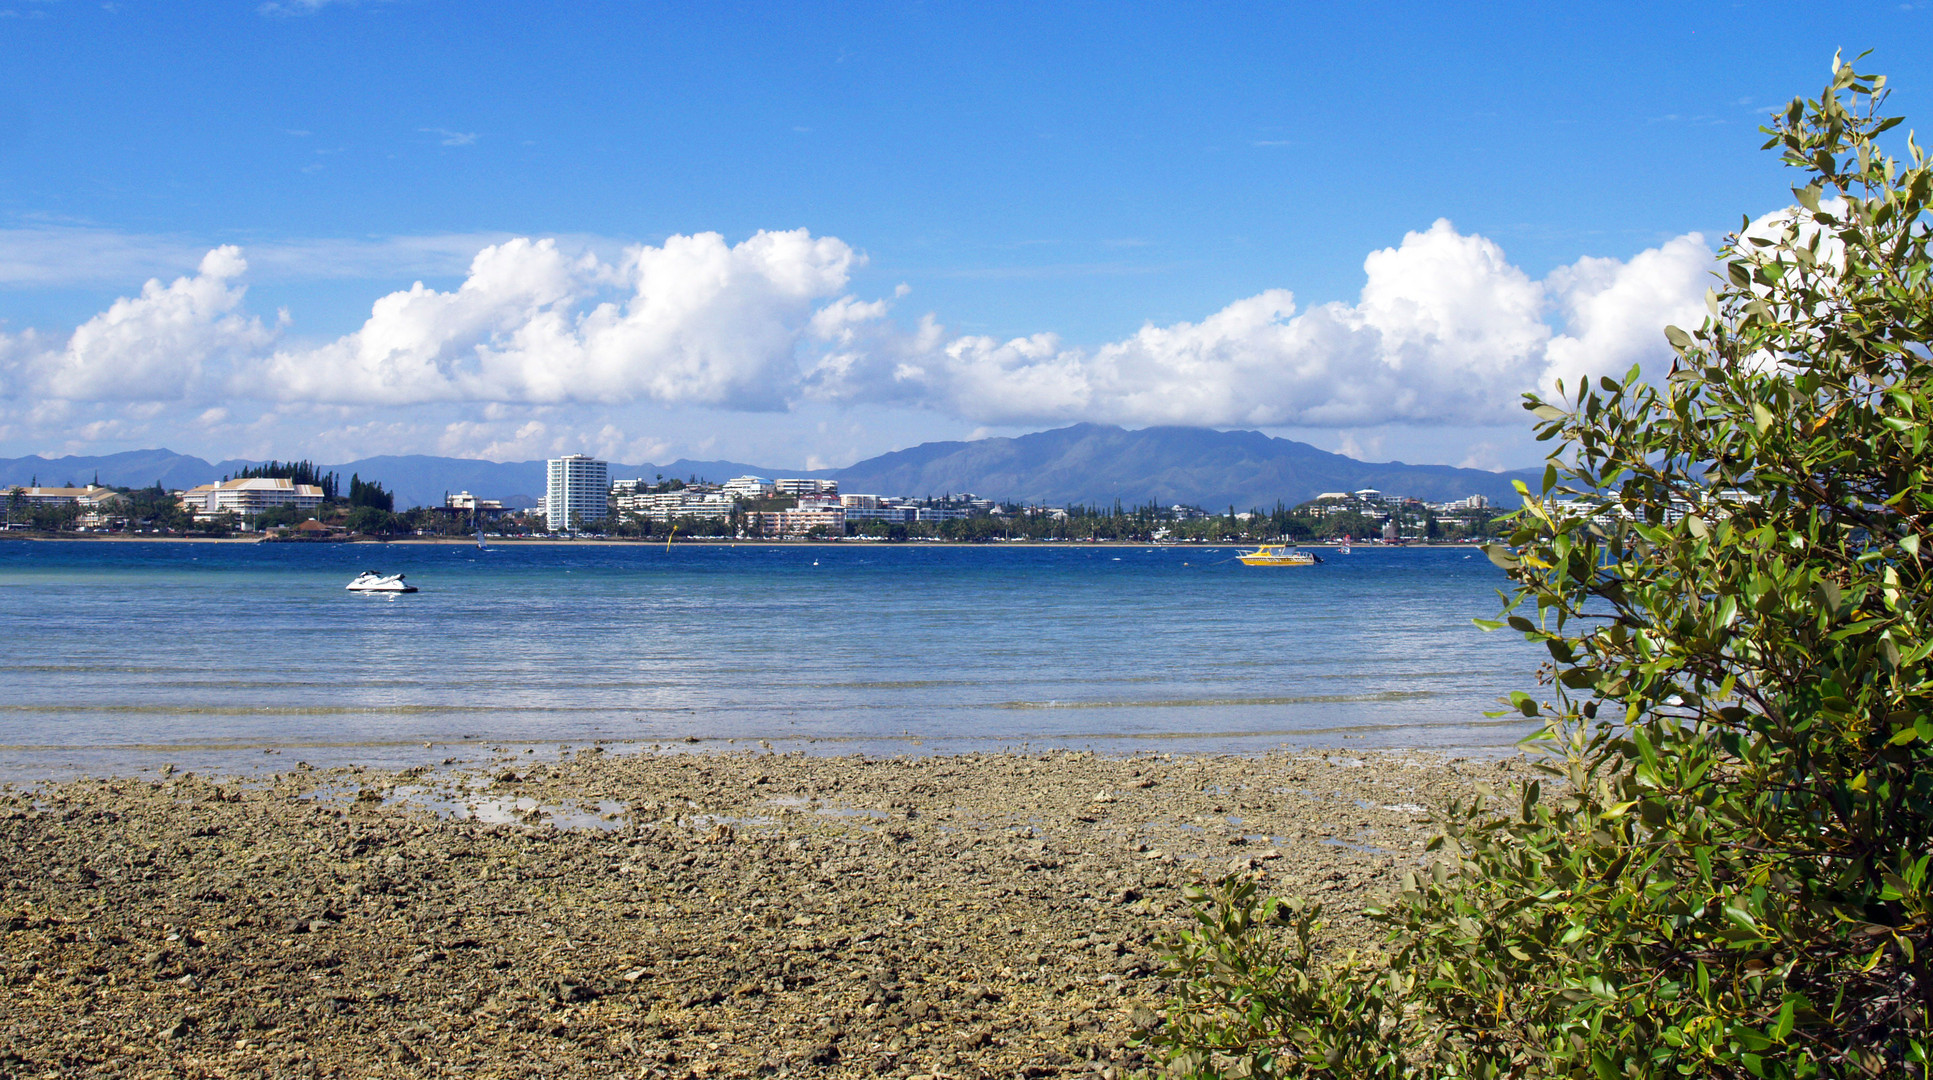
{"x": 1724, "y": 870}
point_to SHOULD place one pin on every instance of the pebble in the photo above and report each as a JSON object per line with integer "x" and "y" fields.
{"x": 976, "y": 915}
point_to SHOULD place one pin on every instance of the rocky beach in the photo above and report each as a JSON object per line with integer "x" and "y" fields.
{"x": 690, "y": 914}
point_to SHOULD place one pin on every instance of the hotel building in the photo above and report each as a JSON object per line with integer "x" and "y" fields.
{"x": 249, "y": 497}
{"x": 578, "y": 488}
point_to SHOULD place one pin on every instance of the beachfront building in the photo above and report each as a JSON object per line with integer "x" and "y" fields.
{"x": 822, "y": 512}
{"x": 904, "y": 515}
{"x": 249, "y": 497}
{"x": 89, "y": 498}
{"x": 942, "y": 513}
{"x": 98, "y": 505}
{"x": 463, "y": 500}
{"x": 576, "y": 491}
{"x": 465, "y": 507}
{"x": 874, "y": 508}
{"x": 799, "y": 521}
{"x": 49, "y": 496}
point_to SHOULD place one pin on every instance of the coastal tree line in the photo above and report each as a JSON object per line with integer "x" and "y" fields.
{"x": 1133, "y": 524}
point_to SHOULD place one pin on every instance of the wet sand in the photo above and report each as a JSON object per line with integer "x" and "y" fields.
{"x": 688, "y": 915}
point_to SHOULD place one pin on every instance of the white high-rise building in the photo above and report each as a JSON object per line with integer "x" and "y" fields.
{"x": 577, "y": 492}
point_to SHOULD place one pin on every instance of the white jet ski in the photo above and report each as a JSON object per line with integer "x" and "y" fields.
{"x": 370, "y": 581}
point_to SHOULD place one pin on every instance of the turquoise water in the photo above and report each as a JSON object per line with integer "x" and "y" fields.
{"x": 234, "y": 657}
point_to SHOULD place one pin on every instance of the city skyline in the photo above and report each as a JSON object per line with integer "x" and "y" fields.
{"x": 375, "y": 228}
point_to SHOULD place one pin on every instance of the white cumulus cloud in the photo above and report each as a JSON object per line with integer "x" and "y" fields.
{"x": 1446, "y": 330}
{"x": 700, "y": 322}
{"x": 1615, "y": 313}
{"x": 151, "y": 347}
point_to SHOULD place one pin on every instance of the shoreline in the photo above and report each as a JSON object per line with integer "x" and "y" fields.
{"x": 465, "y": 541}
{"x": 725, "y": 914}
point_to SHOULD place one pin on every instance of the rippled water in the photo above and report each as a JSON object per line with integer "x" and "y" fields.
{"x": 120, "y": 655}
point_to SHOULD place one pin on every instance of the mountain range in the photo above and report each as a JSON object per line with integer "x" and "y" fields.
{"x": 1085, "y": 463}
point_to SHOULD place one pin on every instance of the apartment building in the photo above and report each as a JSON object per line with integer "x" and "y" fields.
{"x": 577, "y": 491}
{"x": 940, "y": 513}
{"x": 787, "y": 486}
{"x": 750, "y": 487}
{"x": 798, "y": 521}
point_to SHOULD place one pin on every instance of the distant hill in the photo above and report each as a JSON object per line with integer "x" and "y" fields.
{"x": 134, "y": 468}
{"x": 1086, "y": 463}
{"x": 1093, "y": 463}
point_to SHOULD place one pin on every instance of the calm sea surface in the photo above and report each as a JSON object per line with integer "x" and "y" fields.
{"x": 116, "y": 657}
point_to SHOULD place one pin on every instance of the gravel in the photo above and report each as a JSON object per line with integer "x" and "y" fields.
{"x": 679, "y": 915}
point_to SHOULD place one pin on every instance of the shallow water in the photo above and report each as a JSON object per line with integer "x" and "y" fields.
{"x": 118, "y": 656}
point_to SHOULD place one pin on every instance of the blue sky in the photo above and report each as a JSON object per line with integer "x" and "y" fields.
{"x": 977, "y": 218}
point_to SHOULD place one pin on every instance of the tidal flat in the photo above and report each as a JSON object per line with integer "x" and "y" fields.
{"x": 676, "y": 915}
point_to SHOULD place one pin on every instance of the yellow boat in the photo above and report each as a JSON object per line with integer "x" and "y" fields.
{"x": 1278, "y": 555}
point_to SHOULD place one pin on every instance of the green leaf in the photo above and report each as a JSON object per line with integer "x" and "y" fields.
{"x": 1578, "y": 678}
{"x": 1829, "y": 596}
{"x": 1548, "y": 412}
{"x": 1788, "y": 1016}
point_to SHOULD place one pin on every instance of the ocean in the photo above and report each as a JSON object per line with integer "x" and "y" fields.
{"x": 121, "y": 657}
